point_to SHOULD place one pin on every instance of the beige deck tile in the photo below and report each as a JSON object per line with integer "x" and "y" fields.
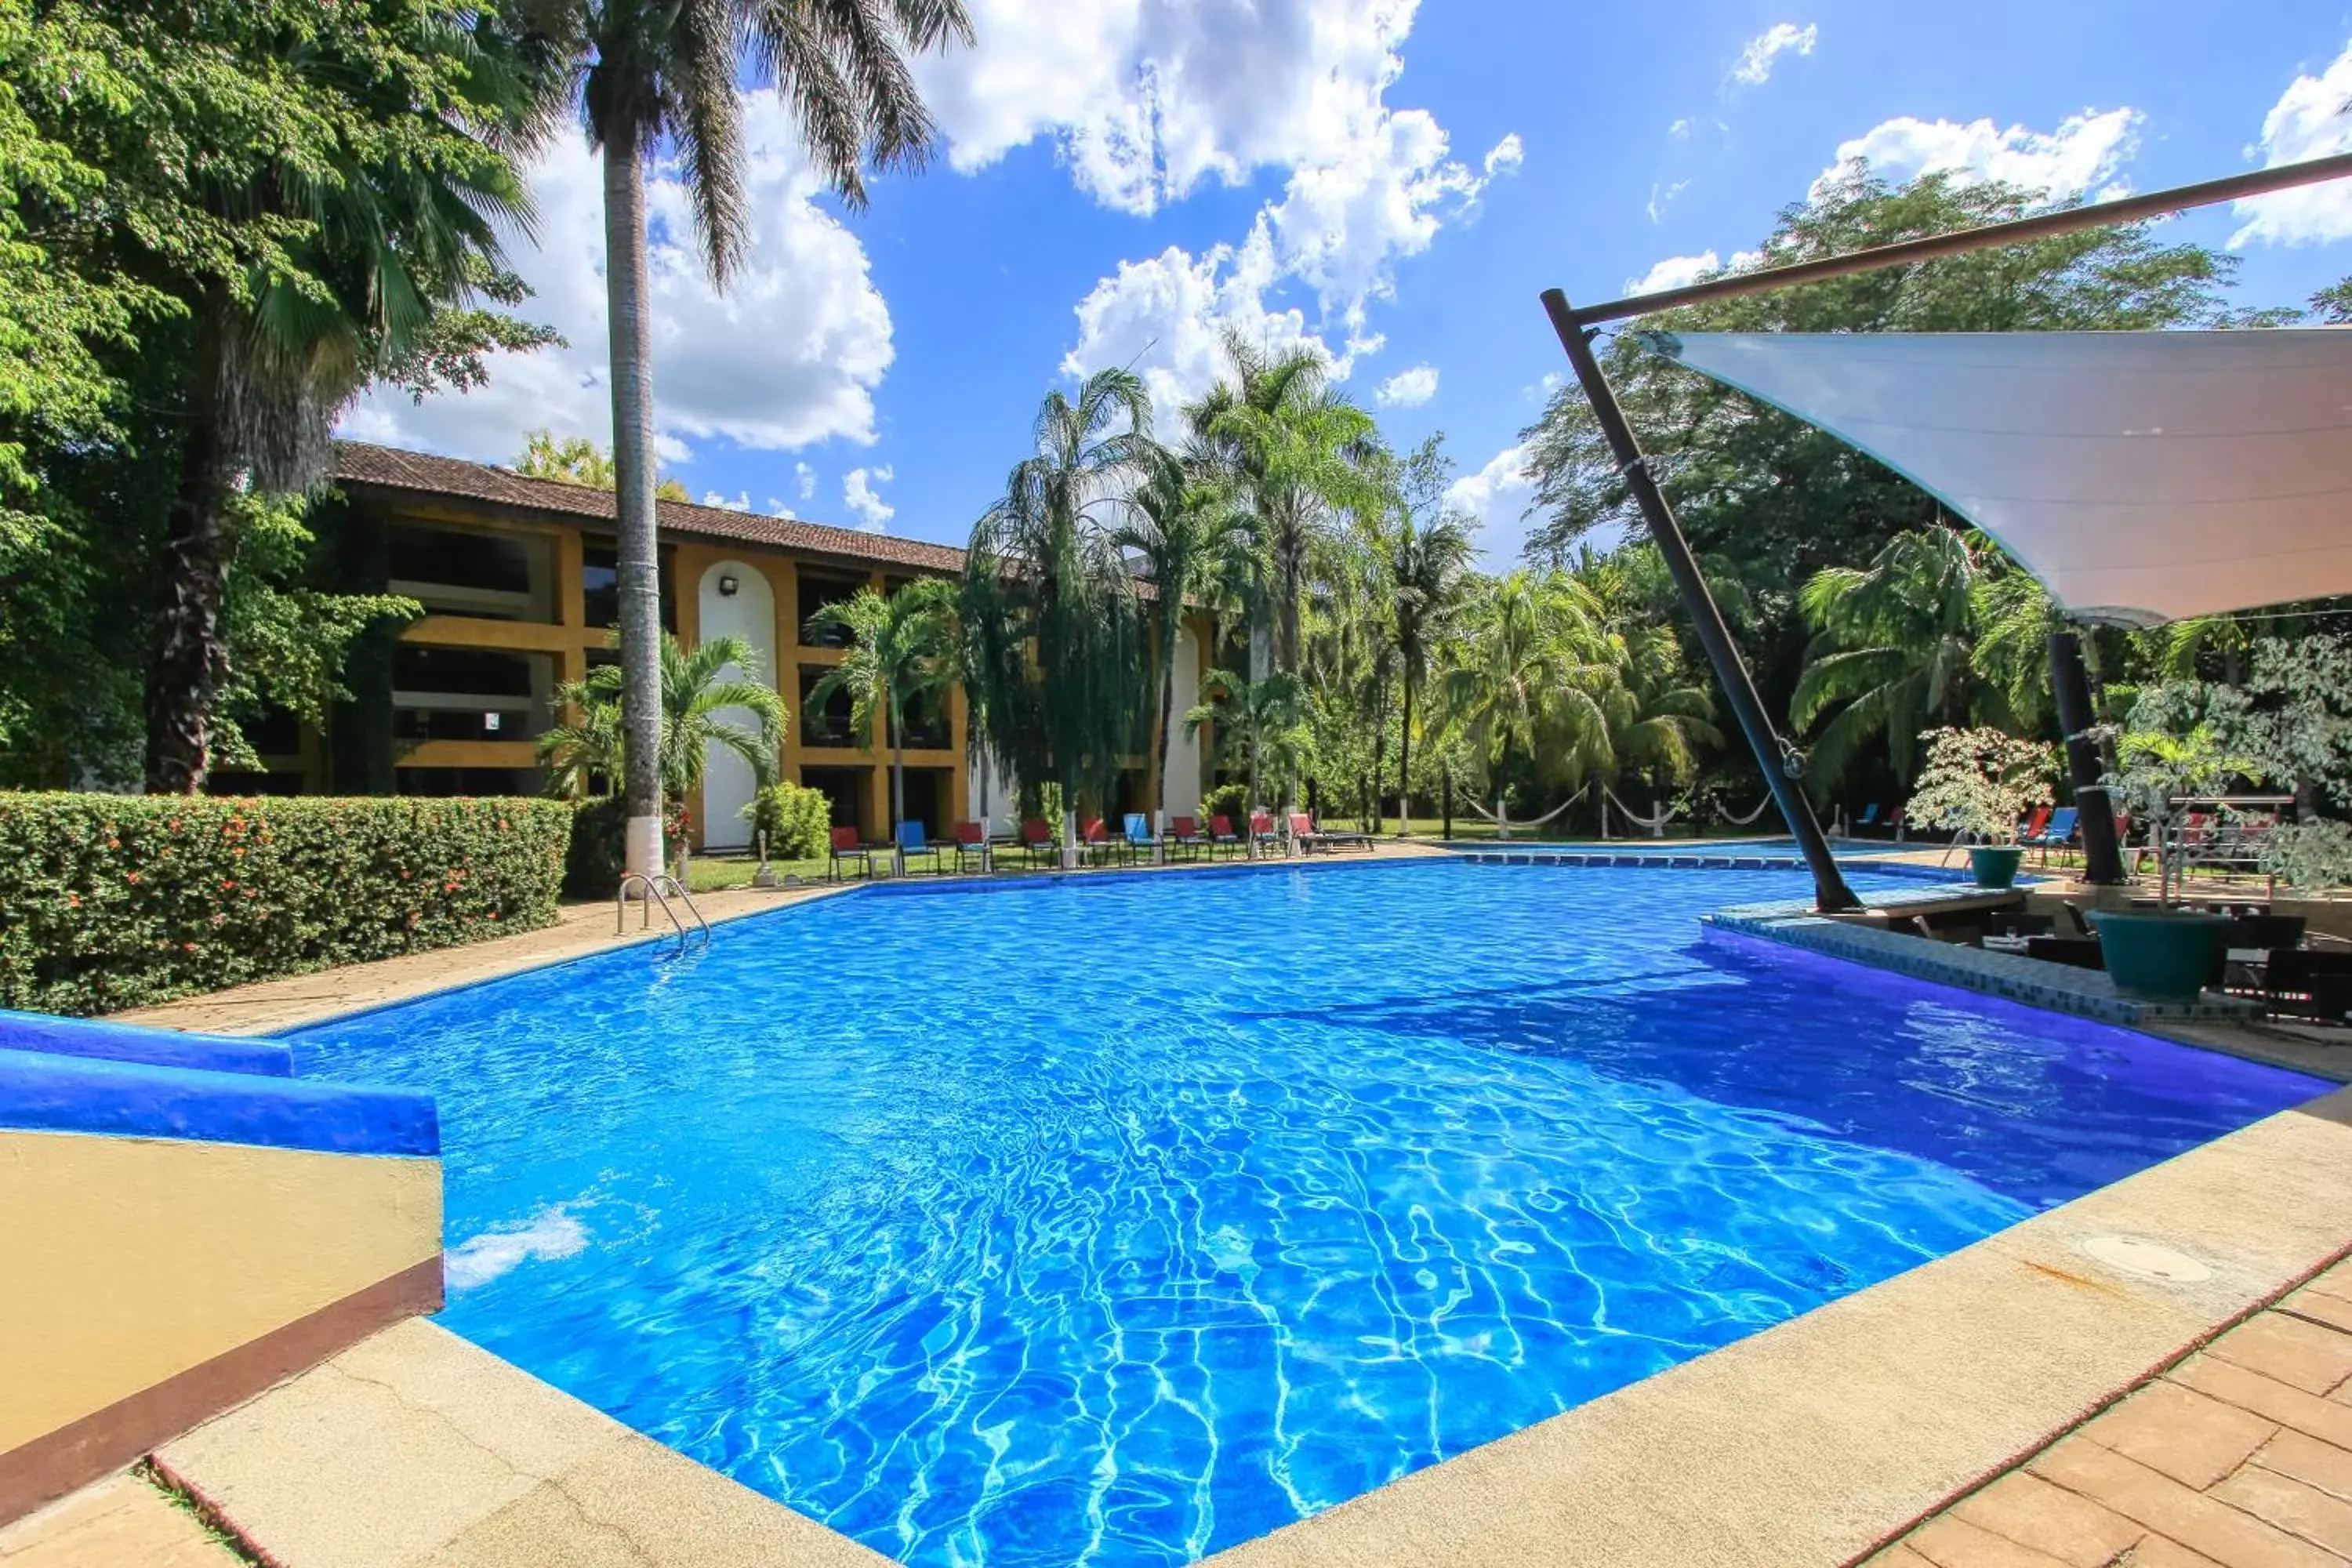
{"x": 2155, "y": 1552}
{"x": 120, "y": 1522}
{"x": 537, "y": 1429}
{"x": 2188, "y": 1436}
{"x": 2322, "y": 1418}
{"x": 2335, "y": 1280}
{"x": 680, "y": 1515}
{"x": 2335, "y": 1312}
{"x": 1899, "y": 1555}
{"x": 542, "y": 1529}
{"x": 2288, "y": 1350}
{"x": 1951, "y": 1542}
{"x": 2165, "y": 1506}
{"x": 2292, "y": 1506}
{"x": 2310, "y": 1462}
{"x": 2073, "y": 1529}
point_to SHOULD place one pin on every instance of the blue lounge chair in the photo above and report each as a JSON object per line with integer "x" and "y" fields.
{"x": 2058, "y": 835}
{"x": 1141, "y": 841}
{"x": 1869, "y": 817}
{"x": 912, "y": 843}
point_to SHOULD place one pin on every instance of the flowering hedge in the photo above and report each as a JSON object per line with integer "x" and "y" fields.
{"x": 115, "y": 901}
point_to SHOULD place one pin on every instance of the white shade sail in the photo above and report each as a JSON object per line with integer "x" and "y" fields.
{"x": 2142, "y": 477}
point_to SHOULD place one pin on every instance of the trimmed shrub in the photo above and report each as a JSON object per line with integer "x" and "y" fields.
{"x": 1228, "y": 800}
{"x": 795, "y": 818}
{"x": 122, "y": 901}
{"x": 599, "y": 849}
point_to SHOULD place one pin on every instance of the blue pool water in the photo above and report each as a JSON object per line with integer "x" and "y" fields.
{"x": 1114, "y": 1221}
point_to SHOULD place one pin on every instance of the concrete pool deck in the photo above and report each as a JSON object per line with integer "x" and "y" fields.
{"x": 1820, "y": 1441}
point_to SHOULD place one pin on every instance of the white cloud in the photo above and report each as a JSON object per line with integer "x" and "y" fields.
{"x": 1755, "y": 65}
{"x": 806, "y": 478}
{"x": 1408, "y": 388}
{"x": 1681, "y": 129}
{"x": 2084, "y": 153}
{"x": 1506, "y": 157}
{"x": 857, "y": 494}
{"x": 1663, "y": 196}
{"x": 1673, "y": 272}
{"x": 2312, "y": 119}
{"x": 780, "y": 508}
{"x": 791, "y": 354}
{"x": 743, "y": 501}
{"x": 1496, "y": 497}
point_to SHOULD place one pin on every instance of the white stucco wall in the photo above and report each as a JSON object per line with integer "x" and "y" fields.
{"x": 750, "y": 613}
{"x": 1182, "y": 792}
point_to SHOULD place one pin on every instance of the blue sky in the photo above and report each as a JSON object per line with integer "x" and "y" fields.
{"x": 1391, "y": 183}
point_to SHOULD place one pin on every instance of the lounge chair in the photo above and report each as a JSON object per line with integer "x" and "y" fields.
{"x": 1185, "y": 833}
{"x": 913, "y": 842}
{"x": 1140, "y": 840}
{"x": 2059, "y": 834}
{"x": 1869, "y": 818}
{"x": 1308, "y": 836}
{"x": 1262, "y": 830}
{"x": 845, "y": 846}
{"x": 1222, "y": 835}
{"x": 1037, "y": 841}
{"x": 1098, "y": 841}
{"x": 2030, "y": 828}
{"x": 972, "y": 843}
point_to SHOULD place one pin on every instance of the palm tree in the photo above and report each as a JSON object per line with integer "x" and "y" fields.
{"x": 1527, "y": 692}
{"x": 1299, "y": 450}
{"x": 697, "y": 691}
{"x": 390, "y": 189}
{"x": 1426, "y": 568}
{"x": 1258, "y": 726}
{"x": 650, "y": 75}
{"x": 1892, "y": 645}
{"x": 1060, "y": 663}
{"x": 901, "y": 649}
{"x": 1186, "y": 535}
{"x": 1659, "y": 720}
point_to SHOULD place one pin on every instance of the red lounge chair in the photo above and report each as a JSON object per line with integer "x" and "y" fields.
{"x": 1185, "y": 833}
{"x": 1222, "y": 834}
{"x": 1307, "y": 835}
{"x": 847, "y": 847}
{"x": 1262, "y": 829}
{"x": 971, "y": 843}
{"x": 2034, "y": 824}
{"x": 1037, "y": 839}
{"x": 1099, "y": 841}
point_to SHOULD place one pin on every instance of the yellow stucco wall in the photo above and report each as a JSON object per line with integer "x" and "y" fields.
{"x": 126, "y": 1261}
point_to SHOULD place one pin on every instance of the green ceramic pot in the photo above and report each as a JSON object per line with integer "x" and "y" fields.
{"x": 2160, "y": 955}
{"x": 1996, "y": 865}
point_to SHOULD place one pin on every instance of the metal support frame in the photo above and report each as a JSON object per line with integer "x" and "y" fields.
{"x": 2070, "y": 685}
{"x": 1830, "y": 892}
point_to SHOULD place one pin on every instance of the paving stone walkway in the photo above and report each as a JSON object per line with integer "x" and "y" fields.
{"x": 2238, "y": 1455}
{"x": 122, "y": 1521}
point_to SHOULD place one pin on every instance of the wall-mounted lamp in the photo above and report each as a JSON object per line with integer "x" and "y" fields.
{"x": 726, "y": 584}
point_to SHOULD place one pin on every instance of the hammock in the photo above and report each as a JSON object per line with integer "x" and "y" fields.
{"x": 1751, "y": 816}
{"x": 1500, "y": 815}
{"x": 1657, "y": 825}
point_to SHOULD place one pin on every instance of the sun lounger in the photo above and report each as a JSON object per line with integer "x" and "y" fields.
{"x": 1140, "y": 840}
{"x": 1100, "y": 846}
{"x": 972, "y": 844}
{"x": 1037, "y": 841}
{"x": 1263, "y": 832}
{"x": 1309, "y": 837}
{"x": 1185, "y": 833}
{"x": 846, "y": 847}
{"x": 1222, "y": 835}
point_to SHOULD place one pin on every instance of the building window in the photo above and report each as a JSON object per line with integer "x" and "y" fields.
{"x": 926, "y": 727}
{"x": 469, "y": 694}
{"x": 830, "y": 725}
{"x": 600, "y": 585}
{"x": 817, "y": 591}
{"x": 488, "y": 576}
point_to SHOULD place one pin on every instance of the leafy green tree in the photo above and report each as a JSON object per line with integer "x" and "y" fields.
{"x": 1056, "y": 655}
{"x": 650, "y": 75}
{"x": 1259, "y": 728}
{"x": 588, "y": 753}
{"x": 1187, "y": 534}
{"x": 1892, "y": 652}
{"x": 901, "y": 651}
{"x": 577, "y": 460}
{"x": 1299, "y": 450}
{"x": 1527, "y": 695}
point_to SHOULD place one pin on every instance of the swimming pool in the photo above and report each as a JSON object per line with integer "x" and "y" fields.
{"x": 1116, "y": 1220}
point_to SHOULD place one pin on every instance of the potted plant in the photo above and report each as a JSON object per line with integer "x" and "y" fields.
{"x": 1981, "y": 783}
{"x": 2165, "y": 953}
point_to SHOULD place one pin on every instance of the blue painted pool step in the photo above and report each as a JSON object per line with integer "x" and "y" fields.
{"x": 81, "y": 1075}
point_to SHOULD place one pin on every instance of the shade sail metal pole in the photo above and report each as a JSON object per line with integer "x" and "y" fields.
{"x": 2070, "y": 685}
{"x": 2042, "y": 225}
{"x": 1830, "y": 892}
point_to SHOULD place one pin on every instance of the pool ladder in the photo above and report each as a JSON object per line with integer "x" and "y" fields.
{"x": 658, "y": 888}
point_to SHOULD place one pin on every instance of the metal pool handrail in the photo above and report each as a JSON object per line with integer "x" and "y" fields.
{"x": 653, "y": 894}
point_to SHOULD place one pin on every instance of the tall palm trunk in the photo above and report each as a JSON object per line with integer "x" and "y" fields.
{"x": 1404, "y": 763}
{"x": 192, "y": 654}
{"x": 627, "y": 286}
{"x": 1167, "y": 741}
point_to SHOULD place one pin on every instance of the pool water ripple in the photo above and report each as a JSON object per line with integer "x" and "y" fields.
{"x": 1117, "y": 1221}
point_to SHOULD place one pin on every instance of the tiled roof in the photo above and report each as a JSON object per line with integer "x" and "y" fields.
{"x": 388, "y": 467}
